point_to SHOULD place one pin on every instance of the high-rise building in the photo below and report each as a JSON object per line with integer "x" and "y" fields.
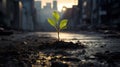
{"x": 99, "y": 13}
{"x": 27, "y": 15}
{"x": 48, "y": 6}
{"x": 54, "y": 4}
{"x": 38, "y": 5}
{"x": 85, "y": 13}
{"x": 10, "y": 11}
{"x": 112, "y": 18}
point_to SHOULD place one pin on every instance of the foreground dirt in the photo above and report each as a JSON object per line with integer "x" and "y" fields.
{"x": 33, "y": 51}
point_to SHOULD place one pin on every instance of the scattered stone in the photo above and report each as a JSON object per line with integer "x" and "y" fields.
{"x": 10, "y": 64}
{"x": 112, "y": 36}
{"x": 62, "y": 45}
{"x": 17, "y": 63}
{"x": 91, "y": 64}
{"x": 61, "y": 52}
{"x": 109, "y": 57}
{"x": 56, "y": 53}
{"x": 92, "y": 57}
{"x": 59, "y": 64}
{"x": 6, "y": 33}
{"x": 72, "y": 59}
{"x": 25, "y": 43}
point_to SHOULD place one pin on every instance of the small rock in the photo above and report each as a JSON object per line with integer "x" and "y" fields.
{"x": 25, "y": 42}
{"x": 92, "y": 57}
{"x": 70, "y": 59}
{"x": 12, "y": 63}
{"x": 59, "y": 64}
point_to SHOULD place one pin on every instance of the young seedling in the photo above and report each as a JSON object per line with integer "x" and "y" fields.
{"x": 57, "y": 23}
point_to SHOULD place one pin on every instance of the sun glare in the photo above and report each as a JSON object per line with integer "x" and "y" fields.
{"x": 61, "y": 3}
{"x": 63, "y": 9}
{"x": 67, "y": 5}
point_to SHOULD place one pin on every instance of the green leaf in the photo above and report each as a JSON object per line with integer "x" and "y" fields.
{"x": 51, "y": 22}
{"x": 65, "y": 27}
{"x": 56, "y": 16}
{"x": 63, "y": 24}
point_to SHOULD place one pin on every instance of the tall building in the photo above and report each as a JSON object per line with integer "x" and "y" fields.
{"x": 112, "y": 17}
{"x": 38, "y": 5}
{"x": 27, "y": 15}
{"x": 99, "y": 14}
{"x": 80, "y": 12}
{"x": 85, "y": 13}
{"x": 55, "y": 4}
{"x": 48, "y": 6}
{"x": 10, "y": 13}
{"x": 43, "y": 14}
{"x": 18, "y": 14}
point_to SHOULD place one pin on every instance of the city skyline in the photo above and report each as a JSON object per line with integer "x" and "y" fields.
{"x": 61, "y": 3}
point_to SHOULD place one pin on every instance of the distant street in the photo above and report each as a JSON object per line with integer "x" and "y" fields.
{"x": 92, "y": 39}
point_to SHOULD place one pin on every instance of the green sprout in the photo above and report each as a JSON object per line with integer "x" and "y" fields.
{"x": 57, "y": 23}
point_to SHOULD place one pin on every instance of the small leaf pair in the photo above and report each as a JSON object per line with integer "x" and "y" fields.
{"x": 56, "y": 23}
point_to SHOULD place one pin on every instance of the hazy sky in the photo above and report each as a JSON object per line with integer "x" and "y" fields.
{"x": 61, "y": 3}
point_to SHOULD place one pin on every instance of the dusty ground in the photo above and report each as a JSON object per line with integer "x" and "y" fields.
{"x": 28, "y": 47}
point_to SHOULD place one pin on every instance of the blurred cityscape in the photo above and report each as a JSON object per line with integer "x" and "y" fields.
{"x": 92, "y": 37}
{"x": 29, "y": 15}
